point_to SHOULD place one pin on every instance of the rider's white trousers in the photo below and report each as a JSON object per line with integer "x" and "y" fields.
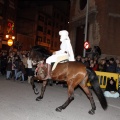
{"x": 53, "y": 58}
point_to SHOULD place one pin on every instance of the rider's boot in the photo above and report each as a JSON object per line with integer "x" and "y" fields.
{"x": 48, "y": 76}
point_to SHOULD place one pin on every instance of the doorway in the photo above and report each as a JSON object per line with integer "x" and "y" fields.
{"x": 79, "y": 40}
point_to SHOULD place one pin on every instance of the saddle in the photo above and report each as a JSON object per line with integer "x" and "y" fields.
{"x": 60, "y": 59}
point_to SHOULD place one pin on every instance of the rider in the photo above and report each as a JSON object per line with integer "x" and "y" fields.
{"x": 65, "y": 48}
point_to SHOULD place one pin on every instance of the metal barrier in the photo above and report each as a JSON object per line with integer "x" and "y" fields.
{"x": 104, "y": 76}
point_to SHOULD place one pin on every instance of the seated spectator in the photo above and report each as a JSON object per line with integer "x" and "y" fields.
{"x": 111, "y": 90}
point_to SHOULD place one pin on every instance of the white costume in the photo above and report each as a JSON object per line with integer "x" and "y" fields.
{"x": 65, "y": 48}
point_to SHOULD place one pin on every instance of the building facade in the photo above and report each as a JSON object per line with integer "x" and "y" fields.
{"x": 8, "y": 10}
{"x": 40, "y": 25}
{"x": 53, "y": 20}
{"x": 26, "y": 26}
{"x": 103, "y": 25}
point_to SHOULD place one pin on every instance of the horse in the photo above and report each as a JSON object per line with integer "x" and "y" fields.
{"x": 74, "y": 74}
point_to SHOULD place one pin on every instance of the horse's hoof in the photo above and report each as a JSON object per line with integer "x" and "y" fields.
{"x": 59, "y": 109}
{"x": 36, "y": 91}
{"x": 39, "y": 98}
{"x": 92, "y": 112}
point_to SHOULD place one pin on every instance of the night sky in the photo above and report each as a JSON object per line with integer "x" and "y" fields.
{"x": 62, "y": 4}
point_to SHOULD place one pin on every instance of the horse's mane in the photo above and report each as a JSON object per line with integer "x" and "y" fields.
{"x": 39, "y": 52}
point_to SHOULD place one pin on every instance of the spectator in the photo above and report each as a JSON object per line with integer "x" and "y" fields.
{"x": 3, "y": 63}
{"x": 92, "y": 65}
{"x": 16, "y": 65}
{"x": 30, "y": 71}
{"x": 102, "y": 65}
{"x": 118, "y": 68}
{"x": 9, "y": 67}
{"x": 111, "y": 90}
{"x": 95, "y": 65}
{"x": 24, "y": 59}
{"x": 111, "y": 66}
{"x": 78, "y": 58}
{"x": 21, "y": 71}
{"x": 87, "y": 62}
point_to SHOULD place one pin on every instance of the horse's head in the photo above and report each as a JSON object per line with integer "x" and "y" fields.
{"x": 39, "y": 53}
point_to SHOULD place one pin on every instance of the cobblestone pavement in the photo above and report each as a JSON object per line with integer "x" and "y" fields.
{"x": 17, "y": 102}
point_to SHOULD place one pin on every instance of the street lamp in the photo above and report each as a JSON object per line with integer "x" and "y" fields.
{"x": 10, "y": 39}
{"x": 10, "y": 42}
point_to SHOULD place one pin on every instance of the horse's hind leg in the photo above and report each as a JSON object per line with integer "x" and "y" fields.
{"x": 42, "y": 91}
{"x": 70, "y": 98}
{"x": 90, "y": 97}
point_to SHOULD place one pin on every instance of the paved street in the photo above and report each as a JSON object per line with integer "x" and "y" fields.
{"x": 17, "y": 102}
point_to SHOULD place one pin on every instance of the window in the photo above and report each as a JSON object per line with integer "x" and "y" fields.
{"x": 61, "y": 27}
{"x": 45, "y": 30}
{"x": 52, "y": 34}
{"x": 39, "y": 38}
{"x": 55, "y": 44}
{"x": 57, "y": 16}
{"x": 56, "y": 35}
{"x": 51, "y": 43}
{"x": 61, "y": 19}
{"x": 45, "y": 21}
{"x": 1, "y": 10}
{"x": 49, "y": 32}
{"x": 49, "y": 23}
{"x": 48, "y": 41}
{"x": 44, "y": 39}
{"x": 40, "y": 28}
{"x": 41, "y": 18}
{"x": 56, "y": 25}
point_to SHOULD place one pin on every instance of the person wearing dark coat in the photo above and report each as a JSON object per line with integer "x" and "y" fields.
{"x": 9, "y": 68}
{"x": 111, "y": 66}
{"x": 21, "y": 71}
{"x": 3, "y": 63}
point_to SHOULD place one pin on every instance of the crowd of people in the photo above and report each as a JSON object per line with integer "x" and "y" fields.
{"x": 16, "y": 65}
{"x": 104, "y": 65}
{"x": 19, "y": 61}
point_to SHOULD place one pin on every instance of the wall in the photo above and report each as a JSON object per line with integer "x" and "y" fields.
{"x": 104, "y": 22}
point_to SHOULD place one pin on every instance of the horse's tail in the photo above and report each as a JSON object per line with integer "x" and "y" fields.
{"x": 93, "y": 78}
{"x": 33, "y": 86}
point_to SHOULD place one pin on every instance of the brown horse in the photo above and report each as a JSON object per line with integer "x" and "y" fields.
{"x": 74, "y": 74}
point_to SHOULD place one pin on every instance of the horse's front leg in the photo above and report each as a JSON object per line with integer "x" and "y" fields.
{"x": 42, "y": 90}
{"x": 33, "y": 85}
{"x": 69, "y": 100}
